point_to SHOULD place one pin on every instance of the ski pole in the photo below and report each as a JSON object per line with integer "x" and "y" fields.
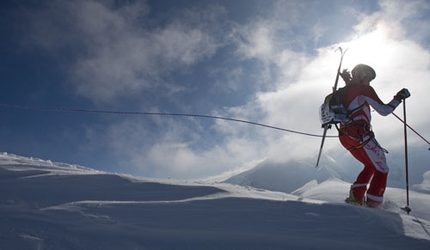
{"x": 406, "y": 208}
{"x": 413, "y": 130}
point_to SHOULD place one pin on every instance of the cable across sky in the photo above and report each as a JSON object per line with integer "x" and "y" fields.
{"x": 112, "y": 112}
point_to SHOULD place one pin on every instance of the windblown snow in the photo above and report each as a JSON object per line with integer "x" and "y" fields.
{"x": 46, "y": 205}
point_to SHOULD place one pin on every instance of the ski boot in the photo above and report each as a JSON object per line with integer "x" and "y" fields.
{"x": 351, "y": 200}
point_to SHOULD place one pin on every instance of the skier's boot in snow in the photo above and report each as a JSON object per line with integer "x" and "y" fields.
{"x": 353, "y": 201}
{"x": 372, "y": 203}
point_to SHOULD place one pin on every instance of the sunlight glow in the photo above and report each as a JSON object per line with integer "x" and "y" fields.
{"x": 373, "y": 48}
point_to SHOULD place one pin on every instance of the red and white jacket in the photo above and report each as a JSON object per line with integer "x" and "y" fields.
{"x": 358, "y": 99}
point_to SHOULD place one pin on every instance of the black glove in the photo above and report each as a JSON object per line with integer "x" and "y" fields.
{"x": 346, "y": 76}
{"x": 402, "y": 94}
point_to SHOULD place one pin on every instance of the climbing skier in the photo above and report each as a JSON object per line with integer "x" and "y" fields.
{"x": 357, "y": 137}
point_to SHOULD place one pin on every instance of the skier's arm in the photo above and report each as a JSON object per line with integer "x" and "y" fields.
{"x": 383, "y": 109}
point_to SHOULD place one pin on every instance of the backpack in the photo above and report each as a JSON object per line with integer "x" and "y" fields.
{"x": 333, "y": 111}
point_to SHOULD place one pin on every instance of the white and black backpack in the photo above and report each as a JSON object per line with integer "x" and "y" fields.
{"x": 333, "y": 110}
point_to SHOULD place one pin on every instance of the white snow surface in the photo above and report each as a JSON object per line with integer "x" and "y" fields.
{"x": 46, "y": 205}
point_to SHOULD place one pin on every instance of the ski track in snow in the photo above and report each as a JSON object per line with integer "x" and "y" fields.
{"x": 47, "y": 205}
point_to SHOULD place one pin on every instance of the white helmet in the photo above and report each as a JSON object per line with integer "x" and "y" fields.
{"x": 361, "y": 71}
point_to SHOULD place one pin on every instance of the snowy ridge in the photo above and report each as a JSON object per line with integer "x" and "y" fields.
{"x": 20, "y": 163}
{"x": 45, "y": 205}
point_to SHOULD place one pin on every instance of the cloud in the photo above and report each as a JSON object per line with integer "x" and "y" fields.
{"x": 180, "y": 148}
{"x": 403, "y": 19}
{"x": 118, "y": 52}
{"x": 257, "y": 42}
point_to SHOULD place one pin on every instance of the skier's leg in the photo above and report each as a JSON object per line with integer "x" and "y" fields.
{"x": 359, "y": 187}
{"x": 379, "y": 182}
{"x": 376, "y": 190}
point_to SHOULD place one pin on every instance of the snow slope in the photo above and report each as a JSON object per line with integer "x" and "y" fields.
{"x": 45, "y": 205}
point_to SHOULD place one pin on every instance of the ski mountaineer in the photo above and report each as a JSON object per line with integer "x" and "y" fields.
{"x": 357, "y": 137}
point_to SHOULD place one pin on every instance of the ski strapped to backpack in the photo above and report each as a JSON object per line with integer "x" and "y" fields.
{"x": 326, "y": 110}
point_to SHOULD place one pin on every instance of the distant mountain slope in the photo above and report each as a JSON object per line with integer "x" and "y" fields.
{"x": 284, "y": 177}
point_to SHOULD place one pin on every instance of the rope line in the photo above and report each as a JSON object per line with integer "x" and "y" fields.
{"x": 413, "y": 130}
{"x": 159, "y": 114}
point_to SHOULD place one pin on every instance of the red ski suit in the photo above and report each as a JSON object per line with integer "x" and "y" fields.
{"x": 356, "y": 136}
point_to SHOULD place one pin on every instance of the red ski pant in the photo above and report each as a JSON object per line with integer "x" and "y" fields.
{"x": 368, "y": 151}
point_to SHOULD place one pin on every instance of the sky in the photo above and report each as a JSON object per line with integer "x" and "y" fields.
{"x": 269, "y": 62}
